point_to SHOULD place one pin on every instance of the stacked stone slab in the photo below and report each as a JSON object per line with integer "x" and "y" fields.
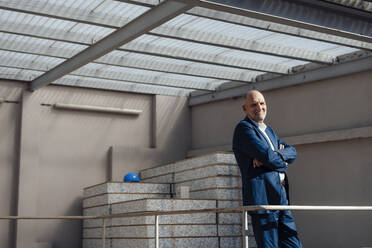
{"x": 214, "y": 182}
{"x": 98, "y": 199}
{"x": 213, "y": 176}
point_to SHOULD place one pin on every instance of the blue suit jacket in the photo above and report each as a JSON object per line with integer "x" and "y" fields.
{"x": 261, "y": 186}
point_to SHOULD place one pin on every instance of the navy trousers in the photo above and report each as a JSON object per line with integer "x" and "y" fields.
{"x": 276, "y": 229}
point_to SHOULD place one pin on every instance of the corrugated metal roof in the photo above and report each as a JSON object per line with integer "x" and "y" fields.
{"x": 196, "y": 50}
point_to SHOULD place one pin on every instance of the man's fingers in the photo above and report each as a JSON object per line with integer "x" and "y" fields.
{"x": 256, "y": 163}
{"x": 281, "y": 146}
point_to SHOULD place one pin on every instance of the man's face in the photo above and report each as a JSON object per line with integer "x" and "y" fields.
{"x": 255, "y": 106}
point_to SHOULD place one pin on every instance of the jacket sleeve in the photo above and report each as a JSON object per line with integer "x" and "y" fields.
{"x": 289, "y": 153}
{"x": 246, "y": 141}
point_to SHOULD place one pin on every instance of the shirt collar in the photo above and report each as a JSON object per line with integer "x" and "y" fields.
{"x": 256, "y": 124}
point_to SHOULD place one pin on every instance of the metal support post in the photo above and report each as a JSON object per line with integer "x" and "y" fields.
{"x": 103, "y": 232}
{"x": 156, "y": 231}
{"x": 245, "y": 239}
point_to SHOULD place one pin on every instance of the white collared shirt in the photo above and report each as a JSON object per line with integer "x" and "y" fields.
{"x": 262, "y": 127}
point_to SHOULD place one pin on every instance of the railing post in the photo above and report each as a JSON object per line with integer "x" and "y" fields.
{"x": 245, "y": 238}
{"x": 103, "y": 232}
{"x": 156, "y": 231}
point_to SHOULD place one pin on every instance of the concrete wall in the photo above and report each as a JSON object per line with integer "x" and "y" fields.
{"x": 330, "y": 122}
{"x": 63, "y": 151}
{"x": 9, "y": 126}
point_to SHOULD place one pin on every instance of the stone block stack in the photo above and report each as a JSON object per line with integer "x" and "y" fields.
{"x": 212, "y": 180}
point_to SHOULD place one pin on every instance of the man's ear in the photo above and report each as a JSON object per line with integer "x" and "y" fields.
{"x": 243, "y": 107}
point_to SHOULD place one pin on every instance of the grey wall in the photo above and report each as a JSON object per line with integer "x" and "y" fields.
{"x": 63, "y": 151}
{"x": 9, "y": 121}
{"x": 333, "y": 167}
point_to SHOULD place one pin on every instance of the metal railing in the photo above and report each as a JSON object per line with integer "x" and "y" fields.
{"x": 156, "y": 214}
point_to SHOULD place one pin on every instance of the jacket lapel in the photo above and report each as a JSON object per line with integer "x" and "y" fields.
{"x": 269, "y": 133}
{"x": 272, "y": 137}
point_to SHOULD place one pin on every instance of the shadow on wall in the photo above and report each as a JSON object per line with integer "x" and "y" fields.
{"x": 62, "y": 233}
{"x": 172, "y": 140}
{"x": 173, "y": 124}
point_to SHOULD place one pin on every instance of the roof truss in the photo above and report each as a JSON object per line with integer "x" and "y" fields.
{"x": 200, "y": 53}
{"x": 145, "y": 22}
{"x": 144, "y": 64}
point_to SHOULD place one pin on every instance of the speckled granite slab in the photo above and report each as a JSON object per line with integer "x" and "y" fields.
{"x": 230, "y": 242}
{"x": 211, "y": 242}
{"x": 207, "y": 171}
{"x": 120, "y": 187}
{"x": 161, "y": 205}
{"x": 212, "y": 182}
{"x": 228, "y": 194}
{"x": 198, "y": 218}
{"x": 110, "y": 198}
{"x": 196, "y": 173}
{"x": 147, "y": 231}
{"x": 209, "y": 159}
{"x": 97, "y": 211}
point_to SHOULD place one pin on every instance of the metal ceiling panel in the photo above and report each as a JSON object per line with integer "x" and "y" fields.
{"x": 150, "y": 19}
{"x": 208, "y": 48}
{"x": 315, "y": 16}
{"x": 276, "y": 27}
{"x": 76, "y": 81}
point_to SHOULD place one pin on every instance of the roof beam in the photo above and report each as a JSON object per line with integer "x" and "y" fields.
{"x": 201, "y": 57}
{"x": 143, "y": 3}
{"x": 358, "y": 5}
{"x": 60, "y": 11}
{"x": 119, "y": 86}
{"x": 111, "y": 75}
{"x": 143, "y": 64}
{"x": 169, "y": 31}
{"x": 220, "y": 40}
{"x": 264, "y": 24}
{"x": 145, "y": 48}
{"x": 289, "y": 80}
{"x": 277, "y": 28}
{"x": 75, "y": 81}
{"x": 149, "y": 20}
{"x": 289, "y": 12}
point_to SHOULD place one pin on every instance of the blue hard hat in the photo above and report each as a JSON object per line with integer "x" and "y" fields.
{"x": 131, "y": 177}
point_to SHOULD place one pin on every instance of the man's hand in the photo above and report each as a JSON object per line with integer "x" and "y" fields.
{"x": 256, "y": 163}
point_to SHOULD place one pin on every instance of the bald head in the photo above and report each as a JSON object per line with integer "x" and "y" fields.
{"x": 255, "y": 106}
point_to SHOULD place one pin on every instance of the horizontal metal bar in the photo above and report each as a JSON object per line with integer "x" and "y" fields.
{"x": 147, "y": 49}
{"x": 75, "y": 81}
{"x": 317, "y": 19}
{"x": 246, "y": 208}
{"x": 212, "y": 210}
{"x": 289, "y": 80}
{"x": 355, "y": 7}
{"x": 234, "y": 43}
{"x": 134, "y": 63}
{"x": 205, "y": 58}
{"x": 134, "y": 78}
{"x": 97, "y": 109}
{"x": 277, "y": 28}
{"x": 47, "y": 217}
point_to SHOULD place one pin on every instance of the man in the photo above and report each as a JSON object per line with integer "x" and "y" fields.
{"x": 263, "y": 160}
